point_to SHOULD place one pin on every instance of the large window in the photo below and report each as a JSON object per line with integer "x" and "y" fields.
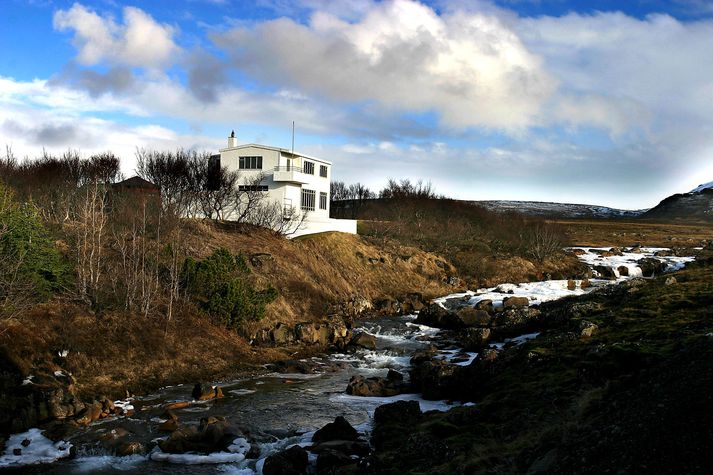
{"x": 323, "y": 171}
{"x": 308, "y": 199}
{"x": 250, "y": 163}
{"x": 322, "y": 200}
{"x": 308, "y": 168}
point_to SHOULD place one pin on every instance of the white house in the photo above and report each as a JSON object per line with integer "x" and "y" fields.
{"x": 290, "y": 178}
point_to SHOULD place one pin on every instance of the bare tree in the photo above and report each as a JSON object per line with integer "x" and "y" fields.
{"x": 90, "y": 221}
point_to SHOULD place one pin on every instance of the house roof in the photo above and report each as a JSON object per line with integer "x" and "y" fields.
{"x": 135, "y": 182}
{"x": 277, "y": 149}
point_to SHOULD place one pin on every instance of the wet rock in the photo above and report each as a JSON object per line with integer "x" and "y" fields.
{"x": 340, "y": 429}
{"x": 670, "y": 280}
{"x": 489, "y": 354}
{"x": 474, "y": 339}
{"x": 485, "y": 304}
{"x": 623, "y": 271}
{"x": 434, "y": 315}
{"x": 214, "y": 434}
{"x": 387, "y": 306}
{"x": 651, "y": 267}
{"x": 173, "y": 406}
{"x": 412, "y": 302}
{"x": 516, "y": 302}
{"x": 364, "y": 340}
{"x": 434, "y": 378}
{"x": 471, "y": 317}
{"x": 571, "y": 285}
{"x": 204, "y": 392}
{"x": 578, "y": 252}
{"x": 585, "y": 284}
{"x": 373, "y": 387}
{"x": 292, "y": 461}
{"x": 604, "y": 272}
{"x": 511, "y": 319}
{"x": 392, "y": 421}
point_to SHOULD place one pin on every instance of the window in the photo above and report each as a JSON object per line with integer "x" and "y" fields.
{"x": 323, "y": 171}
{"x": 250, "y": 163}
{"x": 308, "y": 168}
{"x": 252, "y": 187}
{"x": 322, "y": 200}
{"x": 308, "y": 197}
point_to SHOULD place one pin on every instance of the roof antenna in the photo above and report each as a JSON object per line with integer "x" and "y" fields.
{"x": 293, "y": 138}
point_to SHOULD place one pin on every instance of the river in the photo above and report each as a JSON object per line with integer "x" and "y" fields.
{"x": 276, "y": 411}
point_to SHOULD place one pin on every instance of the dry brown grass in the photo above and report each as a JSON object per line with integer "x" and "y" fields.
{"x": 629, "y": 233}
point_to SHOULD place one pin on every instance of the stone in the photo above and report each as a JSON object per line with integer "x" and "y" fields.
{"x": 585, "y": 284}
{"x": 516, "y": 302}
{"x": 292, "y": 461}
{"x": 282, "y": 334}
{"x": 604, "y": 272}
{"x": 169, "y": 425}
{"x": 651, "y": 267}
{"x": 173, "y": 406}
{"x": 307, "y": 333}
{"x": 433, "y": 316}
{"x": 340, "y": 429}
{"x": 571, "y": 285}
{"x": 474, "y": 339}
{"x": 670, "y": 280}
{"x": 485, "y": 304}
{"x": 373, "y": 387}
{"x": 471, "y": 317}
{"x": 293, "y": 367}
{"x": 204, "y": 392}
{"x": 587, "y": 329}
{"x": 214, "y": 434}
{"x": 398, "y": 411}
{"x": 130, "y": 448}
{"x": 623, "y": 271}
{"x": 364, "y": 340}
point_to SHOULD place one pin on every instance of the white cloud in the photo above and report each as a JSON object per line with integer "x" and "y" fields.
{"x": 139, "y": 42}
{"x": 469, "y": 68}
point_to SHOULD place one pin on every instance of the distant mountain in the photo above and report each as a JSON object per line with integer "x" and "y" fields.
{"x": 558, "y": 210}
{"x": 702, "y": 187}
{"x": 696, "y": 204}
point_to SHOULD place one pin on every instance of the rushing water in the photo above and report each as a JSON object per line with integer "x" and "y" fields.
{"x": 279, "y": 410}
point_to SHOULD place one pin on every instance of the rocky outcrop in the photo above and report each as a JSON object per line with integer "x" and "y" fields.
{"x": 393, "y": 421}
{"x": 335, "y": 331}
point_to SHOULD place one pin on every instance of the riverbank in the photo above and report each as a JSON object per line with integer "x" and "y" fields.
{"x": 620, "y": 381}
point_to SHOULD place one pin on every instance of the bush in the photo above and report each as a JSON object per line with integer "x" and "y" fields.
{"x": 31, "y": 267}
{"x": 221, "y": 287}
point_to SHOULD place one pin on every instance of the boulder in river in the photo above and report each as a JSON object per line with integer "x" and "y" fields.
{"x": 474, "y": 339}
{"x": 376, "y": 386}
{"x": 214, "y": 434}
{"x": 340, "y": 429}
{"x": 204, "y": 392}
{"x": 363, "y": 340}
{"x": 516, "y": 302}
{"x": 434, "y": 316}
{"x": 651, "y": 267}
{"x": 292, "y": 461}
{"x": 623, "y": 271}
{"x": 471, "y": 317}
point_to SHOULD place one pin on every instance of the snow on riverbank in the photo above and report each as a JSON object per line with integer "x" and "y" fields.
{"x": 33, "y": 448}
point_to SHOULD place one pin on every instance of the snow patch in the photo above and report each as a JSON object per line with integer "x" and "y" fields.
{"x": 702, "y": 187}
{"x": 39, "y": 450}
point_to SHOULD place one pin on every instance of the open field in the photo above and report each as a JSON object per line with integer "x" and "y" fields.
{"x": 602, "y": 232}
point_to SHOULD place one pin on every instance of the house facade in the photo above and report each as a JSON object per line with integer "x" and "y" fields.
{"x": 298, "y": 182}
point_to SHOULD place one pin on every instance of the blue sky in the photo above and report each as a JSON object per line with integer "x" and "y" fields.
{"x": 604, "y": 102}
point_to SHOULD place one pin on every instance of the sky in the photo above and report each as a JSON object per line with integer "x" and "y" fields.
{"x": 599, "y": 102}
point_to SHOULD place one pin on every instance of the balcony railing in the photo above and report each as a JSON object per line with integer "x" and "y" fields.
{"x": 289, "y": 168}
{"x": 290, "y": 173}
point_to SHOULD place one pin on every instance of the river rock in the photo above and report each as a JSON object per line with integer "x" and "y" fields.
{"x": 294, "y": 367}
{"x": 623, "y": 271}
{"x": 485, "y": 304}
{"x": 393, "y": 421}
{"x": 308, "y": 333}
{"x": 651, "y": 267}
{"x": 571, "y": 284}
{"x": 474, "y": 339}
{"x": 340, "y": 429}
{"x": 604, "y": 272}
{"x": 587, "y": 329}
{"x": 516, "y": 302}
{"x": 363, "y": 340}
{"x": 412, "y": 302}
{"x": 585, "y": 284}
{"x": 434, "y": 316}
{"x": 374, "y": 387}
{"x": 204, "y": 392}
{"x": 214, "y": 434}
{"x": 130, "y": 448}
{"x": 292, "y": 461}
{"x": 434, "y": 378}
{"x": 471, "y": 317}
{"x": 670, "y": 280}
{"x": 512, "y": 320}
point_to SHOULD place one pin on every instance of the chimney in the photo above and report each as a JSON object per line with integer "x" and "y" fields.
{"x": 232, "y": 140}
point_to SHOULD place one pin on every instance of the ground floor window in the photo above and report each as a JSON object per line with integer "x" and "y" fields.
{"x": 322, "y": 200}
{"x": 308, "y": 200}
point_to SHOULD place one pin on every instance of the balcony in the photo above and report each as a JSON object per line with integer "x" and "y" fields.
{"x": 291, "y": 174}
